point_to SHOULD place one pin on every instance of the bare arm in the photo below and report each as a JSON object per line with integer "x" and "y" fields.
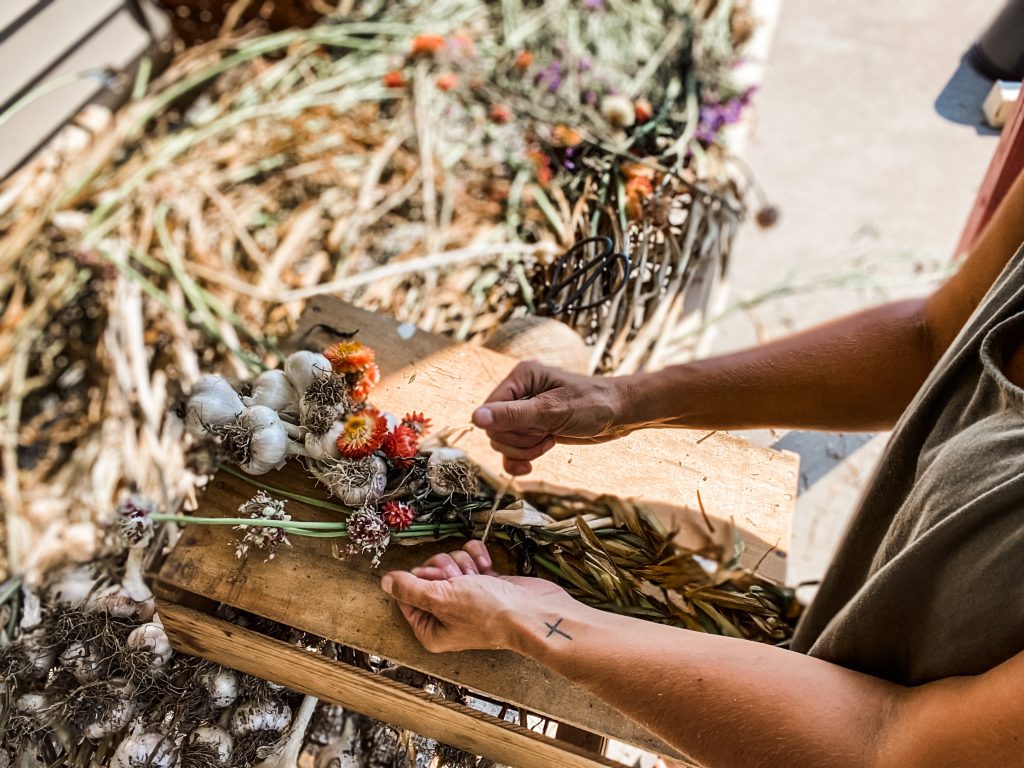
{"x": 722, "y": 701}
{"x": 855, "y": 373}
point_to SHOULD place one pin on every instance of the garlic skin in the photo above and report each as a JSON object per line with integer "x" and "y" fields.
{"x": 117, "y": 601}
{"x": 216, "y": 737}
{"x": 152, "y": 638}
{"x": 619, "y": 111}
{"x": 73, "y": 586}
{"x": 268, "y": 447}
{"x": 342, "y": 752}
{"x": 288, "y": 756}
{"x": 118, "y": 717}
{"x": 222, "y": 687}
{"x": 145, "y": 750}
{"x": 81, "y": 662}
{"x": 324, "y": 447}
{"x": 274, "y": 716}
{"x": 273, "y": 389}
{"x": 302, "y": 368}
{"x": 212, "y": 402}
{"x": 31, "y": 703}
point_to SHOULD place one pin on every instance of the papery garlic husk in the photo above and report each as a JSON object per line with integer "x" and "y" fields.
{"x": 145, "y": 750}
{"x": 269, "y": 445}
{"x": 31, "y": 703}
{"x": 221, "y": 686}
{"x": 325, "y": 447}
{"x": 216, "y": 738}
{"x": 273, "y": 389}
{"x": 521, "y": 514}
{"x": 212, "y": 402}
{"x": 303, "y": 367}
{"x": 153, "y": 639}
{"x": 118, "y": 716}
{"x": 354, "y": 482}
{"x": 81, "y": 662}
{"x": 253, "y": 717}
{"x": 117, "y": 602}
{"x": 450, "y": 471}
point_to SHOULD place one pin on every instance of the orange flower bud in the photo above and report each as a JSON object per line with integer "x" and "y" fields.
{"x": 447, "y": 81}
{"x": 424, "y": 45}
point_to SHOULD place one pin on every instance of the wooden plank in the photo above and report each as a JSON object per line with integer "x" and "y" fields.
{"x": 307, "y": 587}
{"x": 13, "y": 10}
{"x": 372, "y": 695}
{"x": 664, "y": 468}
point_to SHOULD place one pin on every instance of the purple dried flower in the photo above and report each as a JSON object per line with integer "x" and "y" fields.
{"x": 368, "y": 533}
{"x": 594, "y": 5}
{"x": 551, "y": 76}
{"x": 134, "y": 516}
{"x": 585, "y": 64}
{"x": 265, "y": 537}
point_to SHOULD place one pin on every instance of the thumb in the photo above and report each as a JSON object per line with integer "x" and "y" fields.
{"x": 511, "y": 416}
{"x": 409, "y": 589}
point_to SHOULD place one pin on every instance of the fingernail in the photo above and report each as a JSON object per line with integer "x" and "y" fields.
{"x": 483, "y": 417}
{"x": 386, "y": 584}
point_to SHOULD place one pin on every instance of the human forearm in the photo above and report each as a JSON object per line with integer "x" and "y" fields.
{"x": 723, "y": 702}
{"x": 855, "y": 373}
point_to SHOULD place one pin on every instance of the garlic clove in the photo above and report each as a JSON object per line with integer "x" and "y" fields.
{"x": 152, "y": 639}
{"x": 212, "y": 402}
{"x": 273, "y": 389}
{"x": 268, "y": 443}
{"x": 324, "y": 447}
{"x": 302, "y": 368}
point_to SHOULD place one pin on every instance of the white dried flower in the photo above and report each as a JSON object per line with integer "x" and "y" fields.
{"x": 618, "y": 110}
{"x": 265, "y": 537}
{"x": 212, "y": 402}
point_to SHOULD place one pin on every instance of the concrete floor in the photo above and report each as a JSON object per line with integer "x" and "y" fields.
{"x": 868, "y": 135}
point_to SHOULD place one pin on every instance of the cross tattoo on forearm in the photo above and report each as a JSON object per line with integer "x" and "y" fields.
{"x": 554, "y": 630}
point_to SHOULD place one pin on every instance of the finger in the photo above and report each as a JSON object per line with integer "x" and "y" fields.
{"x": 444, "y": 562}
{"x": 511, "y": 416}
{"x": 520, "y": 383}
{"x": 515, "y": 467}
{"x": 518, "y": 439}
{"x": 406, "y": 588}
{"x": 524, "y": 454}
{"x": 478, "y": 551}
{"x": 465, "y": 563}
{"x": 429, "y": 573}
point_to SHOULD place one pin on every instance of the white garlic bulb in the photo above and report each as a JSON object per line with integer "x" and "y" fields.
{"x": 81, "y": 662}
{"x": 152, "y": 638}
{"x": 354, "y": 482}
{"x": 450, "y": 471}
{"x": 145, "y": 750}
{"x": 273, "y": 389}
{"x": 118, "y": 716}
{"x": 117, "y": 601}
{"x": 213, "y": 736}
{"x": 274, "y": 716}
{"x": 31, "y": 703}
{"x": 302, "y": 368}
{"x": 212, "y": 402}
{"x": 268, "y": 445}
{"x": 324, "y": 447}
{"x": 222, "y": 687}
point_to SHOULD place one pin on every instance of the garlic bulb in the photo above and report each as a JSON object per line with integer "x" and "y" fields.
{"x": 116, "y": 601}
{"x": 31, "y": 703}
{"x": 145, "y": 750}
{"x": 268, "y": 442}
{"x": 72, "y": 586}
{"x": 118, "y": 716}
{"x": 288, "y": 756}
{"x": 212, "y": 402}
{"x": 152, "y": 639}
{"x": 273, "y": 716}
{"x": 619, "y": 111}
{"x": 273, "y": 389}
{"x": 450, "y": 471}
{"x": 80, "y": 662}
{"x": 216, "y": 739}
{"x": 302, "y": 368}
{"x": 324, "y": 447}
{"x": 222, "y": 687}
{"x": 354, "y": 482}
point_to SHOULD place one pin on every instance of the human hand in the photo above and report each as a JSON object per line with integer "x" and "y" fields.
{"x": 536, "y": 407}
{"x": 457, "y": 602}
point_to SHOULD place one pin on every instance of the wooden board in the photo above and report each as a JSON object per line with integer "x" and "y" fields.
{"x": 308, "y": 588}
{"x": 373, "y": 695}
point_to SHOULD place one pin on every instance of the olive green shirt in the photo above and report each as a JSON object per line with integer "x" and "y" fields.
{"x": 929, "y": 580}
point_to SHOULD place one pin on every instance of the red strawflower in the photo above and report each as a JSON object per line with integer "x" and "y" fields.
{"x": 350, "y": 356}
{"x": 368, "y": 379}
{"x": 426, "y": 44}
{"x": 398, "y": 514}
{"x": 524, "y": 60}
{"x": 363, "y": 433}
{"x": 447, "y": 81}
{"x": 500, "y": 113}
{"x": 394, "y": 79}
{"x": 401, "y": 446}
{"x": 643, "y": 110}
{"x": 417, "y": 422}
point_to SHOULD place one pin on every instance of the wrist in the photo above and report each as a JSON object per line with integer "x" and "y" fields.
{"x": 659, "y": 399}
{"x": 540, "y": 630}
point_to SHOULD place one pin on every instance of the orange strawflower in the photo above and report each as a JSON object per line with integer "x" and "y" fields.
{"x": 423, "y": 45}
{"x": 363, "y": 433}
{"x": 350, "y": 356}
{"x": 638, "y": 189}
{"x": 643, "y": 110}
{"x": 367, "y": 380}
{"x": 541, "y": 166}
{"x": 394, "y": 79}
{"x": 564, "y": 136}
{"x": 419, "y": 423}
{"x": 524, "y": 60}
{"x": 500, "y": 113}
{"x": 447, "y": 81}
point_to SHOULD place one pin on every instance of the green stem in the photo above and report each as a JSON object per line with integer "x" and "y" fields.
{"x": 287, "y": 494}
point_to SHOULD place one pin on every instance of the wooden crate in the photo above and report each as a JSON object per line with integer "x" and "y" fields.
{"x": 306, "y": 587}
